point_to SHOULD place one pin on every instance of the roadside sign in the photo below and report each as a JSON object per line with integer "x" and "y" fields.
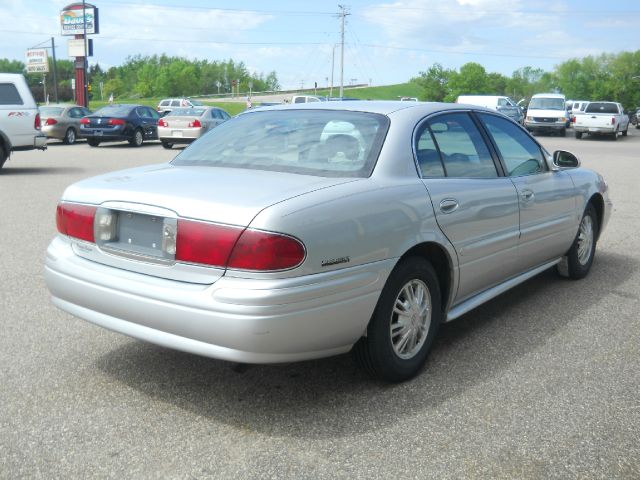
{"x": 37, "y": 60}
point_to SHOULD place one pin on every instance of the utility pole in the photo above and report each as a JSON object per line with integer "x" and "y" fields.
{"x": 343, "y": 13}
{"x": 55, "y": 71}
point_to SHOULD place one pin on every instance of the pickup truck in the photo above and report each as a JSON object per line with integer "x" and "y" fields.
{"x": 602, "y": 118}
{"x": 19, "y": 117}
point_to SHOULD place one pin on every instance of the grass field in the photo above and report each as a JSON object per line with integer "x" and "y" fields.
{"x": 387, "y": 92}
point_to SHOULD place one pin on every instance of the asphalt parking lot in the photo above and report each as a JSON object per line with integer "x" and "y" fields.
{"x": 542, "y": 382}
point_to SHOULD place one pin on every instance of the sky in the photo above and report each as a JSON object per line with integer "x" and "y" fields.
{"x": 384, "y": 42}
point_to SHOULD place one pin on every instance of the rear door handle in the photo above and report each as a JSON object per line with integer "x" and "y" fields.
{"x": 449, "y": 205}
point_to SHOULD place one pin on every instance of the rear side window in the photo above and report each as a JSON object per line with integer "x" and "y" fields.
{"x": 521, "y": 155}
{"x": 462, "y": 148}
{"x": 9, "y": 95}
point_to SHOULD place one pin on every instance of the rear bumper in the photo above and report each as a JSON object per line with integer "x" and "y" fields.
{"x": 235, "y": 319}
{"x": 595, "y": 130}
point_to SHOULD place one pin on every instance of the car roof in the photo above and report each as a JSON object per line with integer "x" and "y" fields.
{"x": 372, "y": 106}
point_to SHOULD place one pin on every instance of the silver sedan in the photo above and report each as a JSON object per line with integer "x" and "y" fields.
{"x": 298, "y": 232}
{"x": 184, "y": 125}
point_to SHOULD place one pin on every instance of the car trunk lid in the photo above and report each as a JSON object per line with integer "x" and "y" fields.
{"x": 145, "y": 205}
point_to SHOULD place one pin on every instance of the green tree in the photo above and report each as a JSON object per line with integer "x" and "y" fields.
{"x": 472, "y": 79}
{"x": 434, "y": 83}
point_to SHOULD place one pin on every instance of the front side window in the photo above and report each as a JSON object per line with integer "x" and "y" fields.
{"x": 313, "y": 142}
{"x": 463, "y": 150}
{"x": 521, "y": 155}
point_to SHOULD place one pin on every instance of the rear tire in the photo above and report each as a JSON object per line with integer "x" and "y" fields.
{"x": 625, "y": 131}
{"x": 578, "y": 135}
{"x": 93, "y": 142}
{"x": 404, "y": 323}
{"x": 167, "y": 145}
{"x": 614, "y": 136}
{"x": 70, "y": 136}
{"x": 137, "y": 139}
{"x": 563, "y": 132}
{"x": 578, "y": 260}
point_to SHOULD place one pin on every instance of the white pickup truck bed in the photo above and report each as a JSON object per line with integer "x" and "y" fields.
{"x": 601, "y": 118}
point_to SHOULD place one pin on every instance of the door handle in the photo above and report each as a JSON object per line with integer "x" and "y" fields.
{"x": 527, "y": 196}
{"x": 449, "y": 205}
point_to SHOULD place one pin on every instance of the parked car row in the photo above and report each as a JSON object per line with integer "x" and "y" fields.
{"x": 132, "y": 123}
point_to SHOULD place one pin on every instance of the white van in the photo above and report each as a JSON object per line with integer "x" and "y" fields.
{"x": 577, "y": 107}
{"x": 500, "y": 103}
{"x": 547, "y": 112}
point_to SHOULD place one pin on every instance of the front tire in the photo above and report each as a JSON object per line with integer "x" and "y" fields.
{"x": 4, "y": 154}
{"x": 578, "y": 260}
{"x": 70, "y": 137}
{"x": 137, "y": 139}
{"x": 404, "y": 323}
{"x": 563, "y": 132}
{"x": 578, "y": 135}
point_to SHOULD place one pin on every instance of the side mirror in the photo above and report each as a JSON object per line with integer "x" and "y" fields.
{"x": 564, "y": 159}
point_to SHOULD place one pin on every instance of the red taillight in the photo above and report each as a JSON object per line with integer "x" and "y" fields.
{"x": 266, "y": 251}
{"x": 613, "y": 120}
{"x": 85, "y": 121}
{"x": 36, "y": 124}
{"x": 51, "y": 121}
{"x": 76, "y": 221}
{"x": 206, "y": 243}
{"x": 573, "y": 120}
{"x": 232, "y": 247}
{"x": 116, "y": 121}
{"x": 195, "y": 124}
{"x": 162, "y": 123}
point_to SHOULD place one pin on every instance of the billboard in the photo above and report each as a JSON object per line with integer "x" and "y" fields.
{"x": 72, "y": 22}
{"x": 37, "y": 60}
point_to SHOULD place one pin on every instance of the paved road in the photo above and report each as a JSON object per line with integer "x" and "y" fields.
{"x": 543, "y": 382}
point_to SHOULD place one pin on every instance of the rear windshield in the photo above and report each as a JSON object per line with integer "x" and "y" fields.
{"x": 319, "y": 142}
{"x": 114, "y": 111}
{"x": 190, "y": 112}
{"x": 547, "y": 103}
{"x": 51, "y": 111}
{"x": 601, "y": 107}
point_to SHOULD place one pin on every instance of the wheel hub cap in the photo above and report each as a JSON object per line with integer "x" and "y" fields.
{"x": 585, "y": 240}
{"x": 410, "y": 319}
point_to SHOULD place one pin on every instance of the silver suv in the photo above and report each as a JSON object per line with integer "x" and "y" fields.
{"x": 169, "y": 104}
{"x": 19, "y": 117}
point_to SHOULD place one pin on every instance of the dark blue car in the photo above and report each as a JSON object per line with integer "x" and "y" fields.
{"x": 113, "y": 123}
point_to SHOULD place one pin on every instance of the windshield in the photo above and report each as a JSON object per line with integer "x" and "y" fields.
{"x": 50, "y": 111}
{"x": 601, "y": 107}
{"x": 547, "y": 103}
{"x": 319, "y": 142}
{"x": 114, "y": 111}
